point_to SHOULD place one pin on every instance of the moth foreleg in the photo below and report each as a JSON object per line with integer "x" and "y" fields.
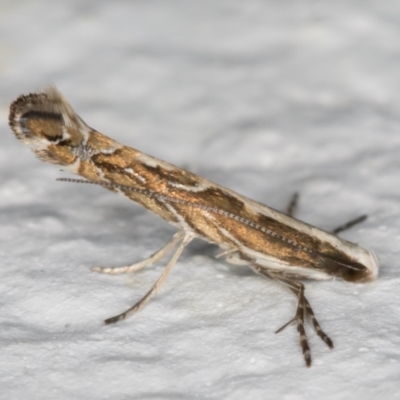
{"x": 143, "y": 301}
{"x": 157, "y": 256}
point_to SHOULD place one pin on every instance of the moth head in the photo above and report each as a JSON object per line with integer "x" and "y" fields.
{"x": 47, "y": 124}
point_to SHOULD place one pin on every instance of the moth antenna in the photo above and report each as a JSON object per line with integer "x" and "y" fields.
{"x": 109, "y": 185}
{"x": 74, "y": 180}
{"x": 104, "y": 184}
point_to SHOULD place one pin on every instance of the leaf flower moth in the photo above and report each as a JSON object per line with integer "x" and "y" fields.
{"x": 271, "y": 243}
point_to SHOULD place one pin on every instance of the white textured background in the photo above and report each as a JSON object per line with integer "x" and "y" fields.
{"x": 265, "y": 97}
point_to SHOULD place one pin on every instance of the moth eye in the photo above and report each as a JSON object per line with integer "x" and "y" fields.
{"x": 354, "y": 275}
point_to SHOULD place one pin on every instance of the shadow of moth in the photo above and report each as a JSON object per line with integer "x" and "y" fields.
{"x": 271, "y": 243}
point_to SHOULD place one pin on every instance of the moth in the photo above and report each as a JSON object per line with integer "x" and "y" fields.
{"x": 271, "y": 243}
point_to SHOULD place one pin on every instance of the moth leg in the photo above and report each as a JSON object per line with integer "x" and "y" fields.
{"x": 154, "y": 289}
{"x": 298, "y": 289}
{"x": 292, "y": 204}
{"x": 225, "y": 253}
{"x": 157, "y": 256}
{"x": 316, "y": 325}
{"x": 310, "y": 314}
{"x": 304, "y": 309}
{"x": 350, "y": 224}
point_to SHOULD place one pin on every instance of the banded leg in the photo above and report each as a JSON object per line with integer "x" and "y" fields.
{"x": 157, "y": 256}
{"x": 304, "y": 309}
{"x": 316, "y": 325}
{"x": 298, "y": 288}
{"x": 310, "y": 314}
{"x": 155, "y": 288}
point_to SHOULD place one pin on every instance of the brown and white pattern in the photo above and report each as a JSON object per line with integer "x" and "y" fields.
{"x": 271, "y": 243}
